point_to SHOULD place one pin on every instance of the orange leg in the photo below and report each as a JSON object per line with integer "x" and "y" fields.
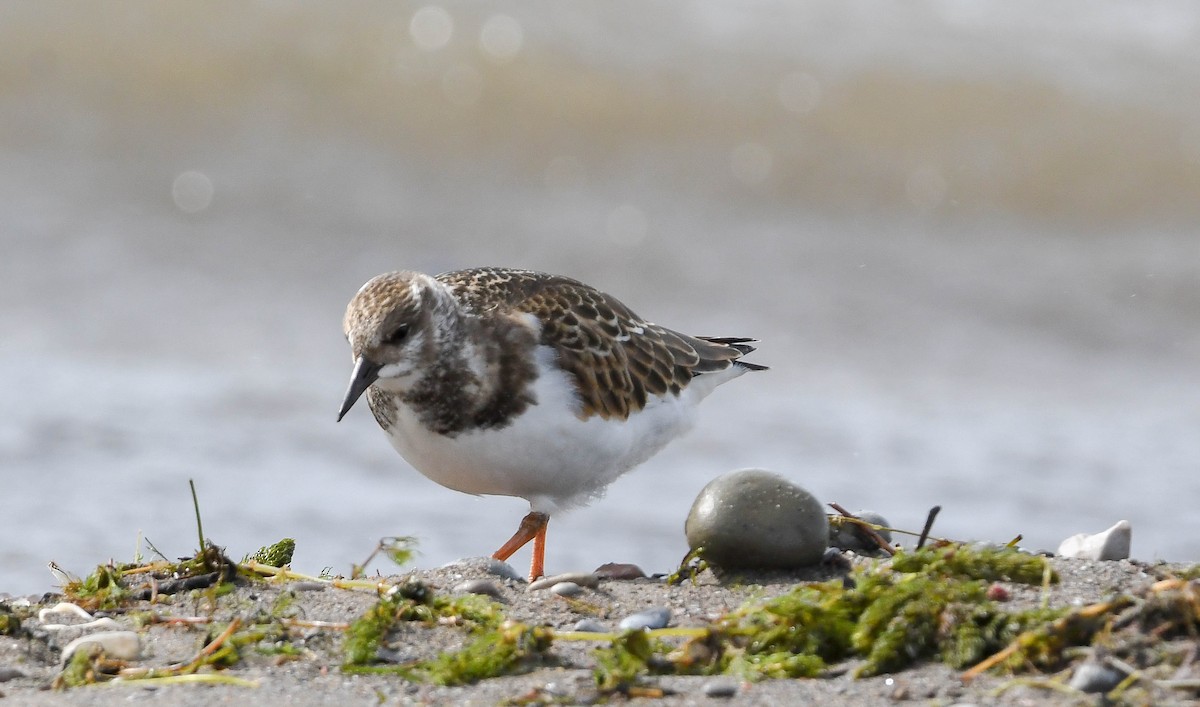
{"x": 533, "y": 527}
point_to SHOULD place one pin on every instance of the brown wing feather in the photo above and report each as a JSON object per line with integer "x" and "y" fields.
{"x": 617, "y": 358}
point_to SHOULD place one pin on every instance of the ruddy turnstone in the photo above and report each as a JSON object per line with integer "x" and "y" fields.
{"x": 521, "y": 383}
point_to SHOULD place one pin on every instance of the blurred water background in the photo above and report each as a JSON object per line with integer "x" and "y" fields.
{"x": 968, "y": 236}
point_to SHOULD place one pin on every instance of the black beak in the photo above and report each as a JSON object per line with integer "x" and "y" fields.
{"x": 365, "y": 373}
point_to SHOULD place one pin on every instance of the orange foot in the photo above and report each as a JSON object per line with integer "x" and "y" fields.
{"x": 533, "y": 527}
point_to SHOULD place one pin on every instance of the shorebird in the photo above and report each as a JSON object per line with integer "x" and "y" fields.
{"x": 518, "y": 383}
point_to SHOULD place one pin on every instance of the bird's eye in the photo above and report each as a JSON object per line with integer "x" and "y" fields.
{"x": 398, "y": 336}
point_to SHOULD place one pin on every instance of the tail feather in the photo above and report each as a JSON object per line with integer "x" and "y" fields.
{"x": 741, "y": 345}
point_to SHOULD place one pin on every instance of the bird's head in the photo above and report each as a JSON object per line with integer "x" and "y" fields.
{"x": 390, "y": 326}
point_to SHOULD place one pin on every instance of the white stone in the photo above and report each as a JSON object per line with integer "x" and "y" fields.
{"x": 63, "y": 608}
{"x": 1112, "y": 544}
{"x": 122, "y": 645}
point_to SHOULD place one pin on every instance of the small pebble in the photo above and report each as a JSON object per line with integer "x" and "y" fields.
{"x": 619, "y": 571}
{"x": 583, "y": 579}
{"x": 1111, "y": 544}
{"x": 567, "y": 589}
{"x": 122, "y": 645}
{"x": 756, "y": 519}
{"x": 63, "y": 608}
{"x": 657, "y": 617}
{"x": 589, "y": 626}
{"x": 7, "y": 673}
{"x": 720, "y": 688}
{"x": 485, "y": 587}
{"x": 1094, "y": 676}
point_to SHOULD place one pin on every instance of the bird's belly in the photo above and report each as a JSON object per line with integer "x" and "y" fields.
{"x": 546, "y": 455}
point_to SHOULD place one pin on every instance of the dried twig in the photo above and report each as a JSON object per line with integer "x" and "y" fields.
{"x": 933, "y": 514}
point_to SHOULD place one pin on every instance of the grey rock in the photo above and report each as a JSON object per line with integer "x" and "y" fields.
{"x": 1095, "y": 676}
{"x": 619, "y": 570}
{"x": 567, "y": 589}
{"x": 720, "y": 688}
{"x": 7, "y": 673}
{"x": 656, "y": 617}
{"x": 756, "y": 519}
{"x": 589, "y": 626}
{"x": 485, "y": 587}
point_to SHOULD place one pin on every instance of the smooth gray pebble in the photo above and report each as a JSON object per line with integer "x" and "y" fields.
{"x": 567, "y": 589}
{"x": 485, "y": 587}
{"x": 7, "y": 673}
{"x": 589, "y": 626}
{"x": 657, "y": 617}
{"x": 1093, "y": 676}
{"x": 757, "y": 519}
{"x": 720, "y": 688}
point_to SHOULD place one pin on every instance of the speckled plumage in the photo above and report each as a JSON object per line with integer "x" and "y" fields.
{"x": 513, "y": 382}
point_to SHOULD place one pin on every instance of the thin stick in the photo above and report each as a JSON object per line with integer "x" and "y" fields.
{"x": 378, "y": 586}
{"x": 199, "y": 525}
{"x": 193, "y": 678}
{"x": 933, "y": 514}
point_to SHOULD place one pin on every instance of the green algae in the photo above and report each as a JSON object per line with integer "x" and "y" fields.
{"x": 986, "y": 563}
{"x": 10, "y": 619}
{"x": 691, "y": 566}
{"x": 80, "y": 670}
{"x": 366, "y": 633}
{"x": 760, "y": 638}
{"x": 623, "y": 663}
{"x": 930, "y": 603}
{"x": 276, "y": 555}
{"x": 495, "y": 649}
{"x": 413, "y": 601}
{"x": 100, "y": 590}
{"x": 508, "y": 650}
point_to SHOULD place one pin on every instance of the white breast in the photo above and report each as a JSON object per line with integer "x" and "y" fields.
{"x": 548, "y": 455}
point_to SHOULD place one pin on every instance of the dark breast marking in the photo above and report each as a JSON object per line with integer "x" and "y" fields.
{"x": 451, "y": 399}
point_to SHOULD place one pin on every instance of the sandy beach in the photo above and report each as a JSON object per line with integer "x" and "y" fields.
{"x": 299, "y": 652}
